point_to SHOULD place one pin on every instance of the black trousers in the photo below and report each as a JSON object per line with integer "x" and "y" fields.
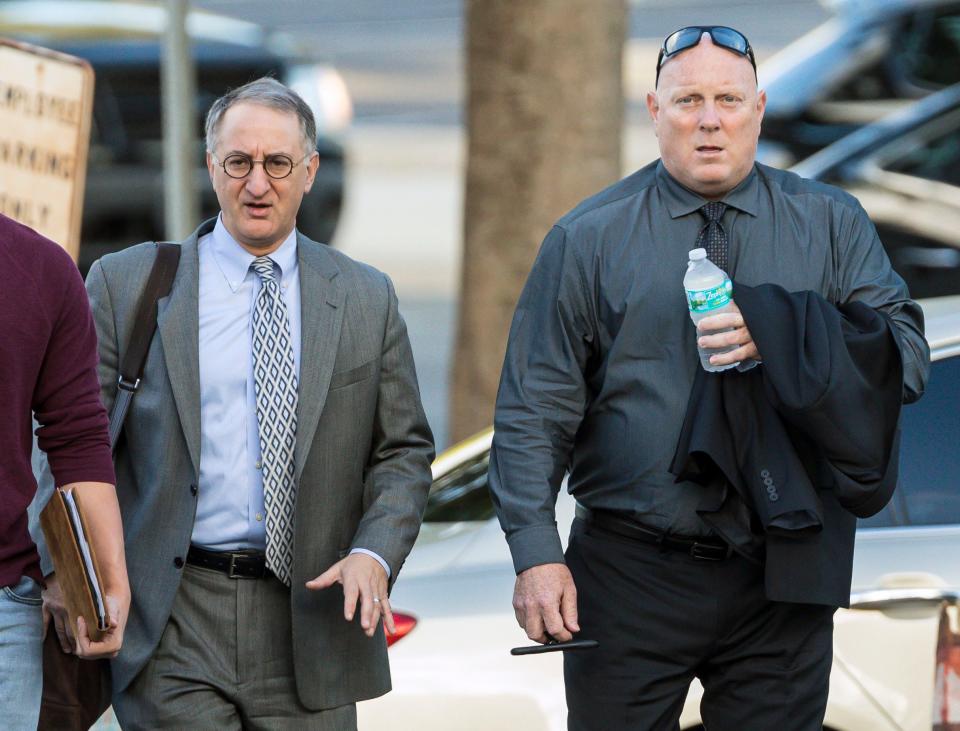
{"x": 663, "y": 618}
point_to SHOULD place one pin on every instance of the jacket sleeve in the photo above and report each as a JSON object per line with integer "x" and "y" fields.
{"x": 108, "y": 368}
{"x": 866, "y": 276}
{"x": 541, "y": 401}
{"x": 398, "y": 474}
{"x": 837, "y": 379}
{"x": 45, "y": 488}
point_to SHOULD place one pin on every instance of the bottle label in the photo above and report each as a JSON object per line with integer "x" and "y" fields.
{"x": 705, "y": 300}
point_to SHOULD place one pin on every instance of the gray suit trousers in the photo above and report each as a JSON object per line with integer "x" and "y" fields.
{"x": 225, "y": 661}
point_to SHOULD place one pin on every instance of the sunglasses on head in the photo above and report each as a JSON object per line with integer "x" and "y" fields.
{"x": 721, "y": 35}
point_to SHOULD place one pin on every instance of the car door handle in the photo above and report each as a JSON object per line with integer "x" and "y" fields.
{"x": 889, "y": 598}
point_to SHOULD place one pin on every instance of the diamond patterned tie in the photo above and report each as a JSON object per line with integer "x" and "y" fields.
{"x": 712, "y": 237}
{"x": 275, "y": 382}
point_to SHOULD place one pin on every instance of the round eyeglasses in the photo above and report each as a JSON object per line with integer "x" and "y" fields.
{"x": 237, "y": 165}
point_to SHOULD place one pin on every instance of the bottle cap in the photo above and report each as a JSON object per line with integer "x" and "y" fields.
{"x": 698, "y": 254}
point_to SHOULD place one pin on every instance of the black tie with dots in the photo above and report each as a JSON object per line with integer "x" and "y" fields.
{"x": 712, "y": 237}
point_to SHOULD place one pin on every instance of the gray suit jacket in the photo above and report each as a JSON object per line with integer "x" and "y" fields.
{"x": 363, "y": 453}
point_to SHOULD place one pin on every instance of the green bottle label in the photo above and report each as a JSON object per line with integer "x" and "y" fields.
{"x": 705, "y": 300}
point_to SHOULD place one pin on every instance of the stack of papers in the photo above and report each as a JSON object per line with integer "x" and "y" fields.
{"x": 85, "y": 553}
{"x": 75, "y": 561}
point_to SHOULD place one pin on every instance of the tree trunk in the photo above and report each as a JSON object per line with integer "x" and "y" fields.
{"x": 544, "y": 118}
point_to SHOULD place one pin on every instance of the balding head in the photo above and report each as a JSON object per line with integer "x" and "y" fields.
{"x": 706, "y": 112}
{"x": 701, "y": 49}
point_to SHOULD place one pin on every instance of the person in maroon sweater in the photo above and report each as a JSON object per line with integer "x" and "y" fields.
{"x": 48, "y": 358}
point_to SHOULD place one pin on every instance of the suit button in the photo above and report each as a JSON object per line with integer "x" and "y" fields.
{"x": 193, "y": 489}
{"x": 178, "y": 562}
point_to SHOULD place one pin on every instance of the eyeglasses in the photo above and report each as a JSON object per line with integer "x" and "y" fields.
{"x": 239, "y": 165}
{"x": 721, "y": 35}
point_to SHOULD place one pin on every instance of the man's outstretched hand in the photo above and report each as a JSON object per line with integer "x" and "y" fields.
{"x": 364, "y": 580}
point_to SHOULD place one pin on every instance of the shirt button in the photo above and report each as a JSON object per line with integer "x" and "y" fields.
{"x": 259, "y": 464}
{"x": 178, "y": 562}
{"x": 259, "y": 517}
{"x": 193, "y": 489}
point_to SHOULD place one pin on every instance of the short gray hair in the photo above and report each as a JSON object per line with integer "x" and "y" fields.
{"x": 267, "y": 92}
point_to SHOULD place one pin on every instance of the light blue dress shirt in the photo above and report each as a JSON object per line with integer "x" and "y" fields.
{"x": 230, "y": 510}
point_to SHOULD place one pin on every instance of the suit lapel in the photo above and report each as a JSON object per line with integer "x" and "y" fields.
{"x": 178, "y": 321}
{"x": 321, "y": 317}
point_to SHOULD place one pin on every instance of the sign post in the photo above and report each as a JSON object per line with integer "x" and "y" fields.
{"x": 46, "y": 101}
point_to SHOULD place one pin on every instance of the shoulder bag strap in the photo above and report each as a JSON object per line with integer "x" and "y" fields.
{"x": 131, "y": 368}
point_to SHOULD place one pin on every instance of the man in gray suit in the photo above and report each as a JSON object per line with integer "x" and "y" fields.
{"x": 277, "y": 447}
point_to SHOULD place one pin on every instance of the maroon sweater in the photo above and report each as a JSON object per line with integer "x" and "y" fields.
{"x": 48, "y": 360}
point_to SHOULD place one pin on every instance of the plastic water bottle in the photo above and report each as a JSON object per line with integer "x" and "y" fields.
{"x": 709, "y": 292}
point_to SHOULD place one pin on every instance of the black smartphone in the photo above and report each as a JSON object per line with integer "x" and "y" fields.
{"x": 555, "y": 647}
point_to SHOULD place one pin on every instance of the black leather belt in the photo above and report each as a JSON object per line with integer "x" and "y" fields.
{"x": 702, "y": 548}
{"x": 235, "y": 564}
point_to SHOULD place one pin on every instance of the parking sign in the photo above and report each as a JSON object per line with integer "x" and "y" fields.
{"x": 46, "y": 100}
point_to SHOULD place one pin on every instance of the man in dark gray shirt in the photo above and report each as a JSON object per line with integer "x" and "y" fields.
{"x": 599, "y": 367}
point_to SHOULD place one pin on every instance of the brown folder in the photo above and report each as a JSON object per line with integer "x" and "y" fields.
{"x": 74, "y": 561}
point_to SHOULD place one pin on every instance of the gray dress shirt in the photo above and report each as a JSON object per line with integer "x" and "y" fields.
{"x": 602, "y": 352}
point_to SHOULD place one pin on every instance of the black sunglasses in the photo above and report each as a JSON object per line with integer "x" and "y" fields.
{"x": 721, "y": 35}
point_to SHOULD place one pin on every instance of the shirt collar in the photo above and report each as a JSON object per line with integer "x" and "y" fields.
{"x": 682, "y": 201}
{"x": 234, "y": 261}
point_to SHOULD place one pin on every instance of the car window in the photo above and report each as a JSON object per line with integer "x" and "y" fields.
{"x": 929, "y": 262}
{"x": 928, "y": 50}
{"x": 870, "y": 83}
{"x": 936, "y": 158}
{"x": 929, "y": 489}
{"x": 923, "y": 55}
{"x": 461, "y": 494}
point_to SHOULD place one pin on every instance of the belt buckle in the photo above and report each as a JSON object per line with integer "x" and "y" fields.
{"x": 232, "y": 570}
{"x": 706, "y": 552}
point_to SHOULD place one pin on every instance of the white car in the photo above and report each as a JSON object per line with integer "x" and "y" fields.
{"x": 896, "y": 650}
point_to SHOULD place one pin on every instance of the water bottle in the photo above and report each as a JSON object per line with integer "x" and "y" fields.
{"x": 709, "y": 292}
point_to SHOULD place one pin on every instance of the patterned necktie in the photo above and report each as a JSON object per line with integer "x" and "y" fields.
{"x": 712, "y": 237}
{"x": 275, "y": 382}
